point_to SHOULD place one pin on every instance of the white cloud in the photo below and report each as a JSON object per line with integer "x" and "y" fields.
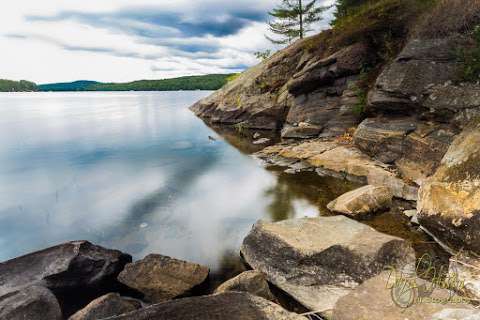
{"x": 66, "y": 40}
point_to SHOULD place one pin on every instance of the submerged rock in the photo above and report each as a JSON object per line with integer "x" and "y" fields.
{"x": 253, "y": 282}
{"x": 224, "y": 306}
{"x": 364, "y": 200}
{"x": 339, "y": 160}
{"x": 382, "y": 298}
{"x": 162, "y": 278}
{"x": 449, "y": 201}
{"x": 109, "y": 305}
{"x": 64, "y": 268}
{"x": 32, "y": 303}
{"x": 319, "y": 260}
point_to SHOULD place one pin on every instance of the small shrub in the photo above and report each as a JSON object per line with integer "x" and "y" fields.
{"x": 233, "y": 77}
{"x": 263, "y": 55}
{"x": 470, "y": 57}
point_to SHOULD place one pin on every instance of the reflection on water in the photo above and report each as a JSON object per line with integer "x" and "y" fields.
{"x": 138, "y": 172}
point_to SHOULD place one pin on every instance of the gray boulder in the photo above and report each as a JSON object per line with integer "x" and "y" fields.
{"x": 224, "y": 306}
{"x": 64, "y": 268}
{"x": 109, "y": 305}
{"x": 32, "y": 303}
{"x": 162, "y": 278}
{"x": 319, "y": 260}
{"x": 364, "y": 200}
{"x": 252, "y": 281}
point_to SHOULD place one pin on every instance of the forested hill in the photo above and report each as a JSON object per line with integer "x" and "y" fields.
{"x": 207, "y": 82}
{"x": 22, "y": 85}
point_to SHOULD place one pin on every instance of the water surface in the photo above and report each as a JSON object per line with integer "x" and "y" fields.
{"x": 137, "y": 172}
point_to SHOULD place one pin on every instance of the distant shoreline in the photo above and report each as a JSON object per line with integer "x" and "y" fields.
{"x": 188, "y": 83}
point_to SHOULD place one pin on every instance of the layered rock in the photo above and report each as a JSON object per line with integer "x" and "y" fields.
{"x": 339, "y": 160}
{"x": 365, "y": 200}
{"x": 252, "y": 281}
{"x": 258, "y": 97}
{"x": 224, "y": 306}
{"x": 319, "y": 260}
{"x": 389, "y": 298}
{"x": 466, "y": 269}
{"x": 422, "y": 64}
{"x": 162, "y": 278}
{"x": 65, "y": 268}
{"x": 415, "y": 147}
{"x": 32, "y": 303}
{"x": 449, "y": 201}
{"x": 109, "y": 305}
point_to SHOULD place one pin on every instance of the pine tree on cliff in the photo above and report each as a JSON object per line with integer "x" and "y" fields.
{"x": 293, "y": 19}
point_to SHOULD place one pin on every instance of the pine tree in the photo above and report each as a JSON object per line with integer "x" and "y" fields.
{"x": 293, "y": 20}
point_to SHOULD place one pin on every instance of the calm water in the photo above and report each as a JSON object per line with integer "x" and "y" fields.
{"x": 137, "y": 172}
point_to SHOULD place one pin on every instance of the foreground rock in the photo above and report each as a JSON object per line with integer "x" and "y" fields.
{"x": 339, "y": 160}
{"x": 65, "y": 268}
{"x": 225, "y": 306}
{"x": 162, "y": 278}
{"x": 319, "y": 260}
{"x": 109, "y": 305}
{"x": 32, "y": 303}
{"x": 449, "y": 201}
{"x": 253, "y": 282}
{"x": 467, "y": 270}
{"x": 367, "y": 199}
{"x": 374, "y": 300}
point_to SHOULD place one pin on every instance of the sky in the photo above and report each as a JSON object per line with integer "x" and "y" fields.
{"x": 125, "y": 40}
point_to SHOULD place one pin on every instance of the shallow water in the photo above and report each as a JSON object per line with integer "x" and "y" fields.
{"x": 140, "y": 173}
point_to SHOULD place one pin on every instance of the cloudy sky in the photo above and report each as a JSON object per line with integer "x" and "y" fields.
{"x": 123, "y": 40}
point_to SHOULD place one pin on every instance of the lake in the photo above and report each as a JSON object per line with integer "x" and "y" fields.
{"x": 136, "y": 171}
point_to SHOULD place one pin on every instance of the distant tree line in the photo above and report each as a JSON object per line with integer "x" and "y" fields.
{"x": 22, "y": 85}
{"x": 207, "y": 82}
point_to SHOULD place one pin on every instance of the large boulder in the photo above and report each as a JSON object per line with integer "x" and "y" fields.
{"x": 364, "y": 200}
{"x": 31, "y": 303}
{"x": 109, "y": 305}
{"x": 224, "y": 306}
{"x": 319, "y": 260}
{"x": 252, "y": 281}
{"x": 162, "y": 278}
{"x": 449, "y": 202}
{"x": 398, "y": 297}
{"x": 65, "y": 268}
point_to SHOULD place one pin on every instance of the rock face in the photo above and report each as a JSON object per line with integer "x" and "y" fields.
{"x": 253, "y": 282}
{"x": 374, "y": 300}
{"x": 109, "y": 305}
{"x": 32, "y": 303}
{"x": 63, "y": 268}
{"x": 449, "y": 201}
{"x": 319, "y": 260}
{"x": 162, "y": 278}
{"x": 225, "y": 306}
{"x": 339, "y": 160}
{"x": 367, "y": 199}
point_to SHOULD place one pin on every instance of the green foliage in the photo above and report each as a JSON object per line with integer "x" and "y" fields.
{"x": 207, "y": 82}
{"x": 345, "y": 8}
{"x": 233, "y": 77}
{"x": 470, "y": 58}
{"x": 293, "y": 19}
{"x": 263, "y": 55}
{"x": 12, "y": 86}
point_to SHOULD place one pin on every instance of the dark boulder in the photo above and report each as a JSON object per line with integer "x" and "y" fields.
{"x": 32, "y": 303}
